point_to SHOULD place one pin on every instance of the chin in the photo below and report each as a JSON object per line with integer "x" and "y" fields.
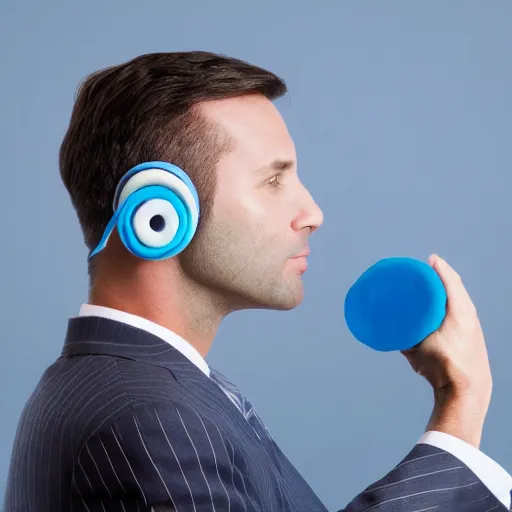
{"x": 278, "y": 296}
{"x": 287, "y": 306}
{"x": 282, "y": 302}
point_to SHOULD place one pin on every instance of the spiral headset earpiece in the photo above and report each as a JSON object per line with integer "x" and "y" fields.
{"x": 156, "y": 211}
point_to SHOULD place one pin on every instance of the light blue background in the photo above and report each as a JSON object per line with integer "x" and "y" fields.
{"x": 402, "y": 116}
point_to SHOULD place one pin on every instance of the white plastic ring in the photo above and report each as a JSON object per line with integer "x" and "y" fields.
{"x": 142, "y": 218}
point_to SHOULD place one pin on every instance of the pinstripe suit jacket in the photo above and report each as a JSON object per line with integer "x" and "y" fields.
{"x": 124, "y": 422}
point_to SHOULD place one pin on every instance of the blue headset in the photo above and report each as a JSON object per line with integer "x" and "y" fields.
{"x": 156, "y": 210}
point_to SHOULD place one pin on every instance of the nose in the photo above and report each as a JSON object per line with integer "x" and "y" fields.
{"x": 310, "y": 215}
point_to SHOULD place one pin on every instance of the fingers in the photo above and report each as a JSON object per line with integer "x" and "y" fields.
{"x": 459, "y": 301}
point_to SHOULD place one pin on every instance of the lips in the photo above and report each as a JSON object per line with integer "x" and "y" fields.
{"x": 302, "y": 261}
{"x": 303, "y": 254}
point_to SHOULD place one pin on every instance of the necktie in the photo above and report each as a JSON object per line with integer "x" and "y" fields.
{"x": 242, "y": 404}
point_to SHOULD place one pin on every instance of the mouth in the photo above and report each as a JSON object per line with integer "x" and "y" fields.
{"x": 301, "y": 260}
{"x": 303, "y": 254}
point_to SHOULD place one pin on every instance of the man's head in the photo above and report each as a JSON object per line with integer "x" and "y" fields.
{"x": 212, "y": 116}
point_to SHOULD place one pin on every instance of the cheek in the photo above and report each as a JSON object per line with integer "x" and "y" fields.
{"x": 254, "y": 218}
{"x": 241, "y": 209}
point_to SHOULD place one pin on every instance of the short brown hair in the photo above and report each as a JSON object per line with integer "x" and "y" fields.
{"x": 142, "y": 110}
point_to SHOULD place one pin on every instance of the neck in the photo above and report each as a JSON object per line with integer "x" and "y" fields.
{"x": 161, "y": 293}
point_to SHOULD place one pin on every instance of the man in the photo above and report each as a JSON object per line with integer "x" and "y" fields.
{"x": 130, "y": 417}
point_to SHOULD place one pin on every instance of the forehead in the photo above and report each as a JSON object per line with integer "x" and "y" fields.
{"x": 255, "y": 127}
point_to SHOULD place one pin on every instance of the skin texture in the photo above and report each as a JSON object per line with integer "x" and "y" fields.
{"x": 262, "y": 215}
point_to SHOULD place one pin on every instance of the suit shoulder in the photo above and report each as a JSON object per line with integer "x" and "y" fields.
{"x": 77, "y": 394}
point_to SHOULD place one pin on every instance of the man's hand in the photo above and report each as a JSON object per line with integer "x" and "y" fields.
{"x": 454, "y": 361}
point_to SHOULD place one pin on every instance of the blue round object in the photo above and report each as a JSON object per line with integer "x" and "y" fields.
{"x": 127, "y": 233}
{"x": 125, "y": 212}
{"x": 395, "y": 304}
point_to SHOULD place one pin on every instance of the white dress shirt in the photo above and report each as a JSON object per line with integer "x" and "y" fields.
{"x": 497, "y": 480}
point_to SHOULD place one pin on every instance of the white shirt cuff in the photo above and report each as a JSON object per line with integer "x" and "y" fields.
{"x": 492, "y": 475}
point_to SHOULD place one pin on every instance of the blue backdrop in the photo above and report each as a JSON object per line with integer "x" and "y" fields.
{"x": 402, "y": 116}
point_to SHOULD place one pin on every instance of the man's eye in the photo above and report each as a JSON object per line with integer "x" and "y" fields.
{"x": 275, "y": 181}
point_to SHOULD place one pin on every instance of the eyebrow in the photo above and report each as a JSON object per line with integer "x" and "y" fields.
{"x": 277, "y": 165}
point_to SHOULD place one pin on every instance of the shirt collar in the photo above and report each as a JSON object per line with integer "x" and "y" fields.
{"x": 157, "y": 330}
